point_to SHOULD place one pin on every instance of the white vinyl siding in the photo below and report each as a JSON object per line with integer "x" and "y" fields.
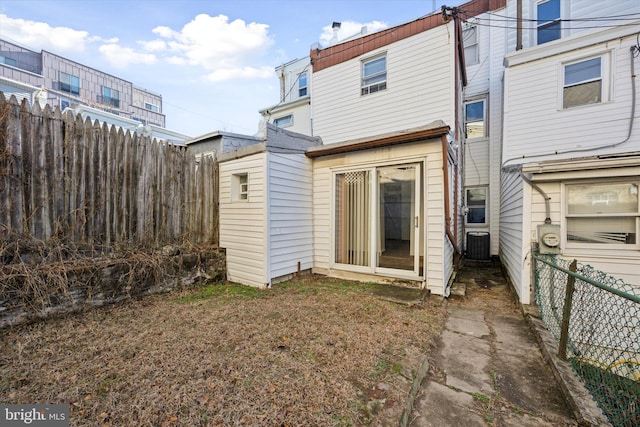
{"x": 513, "y": 242}
{"x": 290, "y": 214}
{"x": 578, "y": 128}
{"x": 579, "y": 11}
{"x": 438, "y": 260}
{"x": 420, "y": 89}
{"x": 243, "y": 222}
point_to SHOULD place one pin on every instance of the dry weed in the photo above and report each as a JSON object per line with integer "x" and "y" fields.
{"x": 313, "y": 351}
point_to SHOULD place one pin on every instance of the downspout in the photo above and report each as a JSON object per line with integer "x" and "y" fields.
{"x": 447, "y": 209}
{"x": 519, "y": 25}
{"x": 547, "y": 206}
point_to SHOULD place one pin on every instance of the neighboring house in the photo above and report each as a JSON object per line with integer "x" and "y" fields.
{"x": 266, "y": 208}
{"x": 150, "y": 130}
{"x": 571, "y": 149}
{"x": 399, "y": 80}
{"x": 217, "y": 142}
{"x": 484, "y": 47}
{"x": 293, "y": 112}
{"x": 71, "y": 84}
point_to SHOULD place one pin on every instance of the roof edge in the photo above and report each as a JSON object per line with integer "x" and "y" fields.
{"x": 434, "y": 130}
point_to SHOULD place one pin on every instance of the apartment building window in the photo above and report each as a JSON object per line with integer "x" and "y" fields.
{"x": 69, "y": 83}
{"x": 8, "y": 61}
{"x": 284, "y": 121}
{"x": 110, "y": 96}
{"x": 475, "y": 114}
{"x": 603, "y": 213}
{"x": 476, "y": 200}
{"x": 151, "y": 107}
{"x": 582, "y": 83}
{"x": 302, "y": 84}
{"x": 374, "y": 75}
{"x": 470, "y": 42}
{"x": 64, "y": 103}
{"x": 548, "y": 17}
{"x": 240, "y": 186}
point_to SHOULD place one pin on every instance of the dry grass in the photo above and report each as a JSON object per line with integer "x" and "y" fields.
{"x": 313, "y": 351}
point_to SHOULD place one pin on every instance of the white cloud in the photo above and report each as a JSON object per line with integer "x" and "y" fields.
{"x": 226, "y": 49}
{"x": 121, "y": 57}
{"x": 348, "y": 29}
{"x": 228, "y": 73}
{"x": 40, "y": 35}
{"x": 153, "y": 45}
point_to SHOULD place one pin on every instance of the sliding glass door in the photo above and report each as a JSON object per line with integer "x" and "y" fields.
{"x": 378, "y": 219}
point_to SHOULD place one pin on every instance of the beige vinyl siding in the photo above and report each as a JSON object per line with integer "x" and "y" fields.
{"x": 420, "y": 89}
{"x": 437, "y": 258}
{"x": 536, "y": 124}
{"x": 290, "y": 214}
{"x": 243, "y": 223}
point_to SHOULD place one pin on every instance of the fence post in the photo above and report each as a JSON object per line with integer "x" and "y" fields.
{"x": 566, "y": 311}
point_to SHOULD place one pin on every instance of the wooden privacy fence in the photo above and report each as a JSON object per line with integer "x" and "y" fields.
{"x": 77, "y": 180}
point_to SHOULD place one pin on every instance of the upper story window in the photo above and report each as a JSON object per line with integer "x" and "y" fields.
{"x": 475, "y": 119}
{"x": 284, "y": 121}
{"x": 603, "y": 213}
{"x": 548, "y": 16}
{"x": 374, "y": 75}
{"x": 8, "y": 61}
{"x": 582, "y": 83}
{"x": 151, "y": 107}
{"x": 69, "y": 83}
{"x": 470, "y": 42}
{"x": 110, "y": 96}
{"x": 302, "y": 84}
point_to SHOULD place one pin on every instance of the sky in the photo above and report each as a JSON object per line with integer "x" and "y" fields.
{"x": 212, "y": 61}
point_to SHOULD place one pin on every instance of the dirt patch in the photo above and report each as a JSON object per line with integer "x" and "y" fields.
{"x": 313, "y": 351}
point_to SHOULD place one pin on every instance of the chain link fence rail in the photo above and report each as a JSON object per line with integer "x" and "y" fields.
{"x": 596, "y": 319}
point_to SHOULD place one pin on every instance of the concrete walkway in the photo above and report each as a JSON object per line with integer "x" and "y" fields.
{"x": 487, "y": 368}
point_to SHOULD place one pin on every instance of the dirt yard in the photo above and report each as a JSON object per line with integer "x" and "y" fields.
{"x": 313, "y": 351}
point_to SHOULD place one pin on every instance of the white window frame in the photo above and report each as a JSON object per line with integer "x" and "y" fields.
{"x": 468, "y": 208}
{"x": 599, "y": 246}
{"x": 485, "y": 118}
{"x": 240, "y": 187}
{"x": 288, "y": 119}
{"x": 304, "y": 88}
{"x": 605, "y": 61}
{"x": 367, "y": 88}
{"x": 471, "y": 43}
{"x": 540, "y": 26}
{"x": 421, "y": 186}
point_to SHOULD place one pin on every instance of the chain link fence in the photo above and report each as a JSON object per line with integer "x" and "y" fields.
{"x": 596, "y": 319}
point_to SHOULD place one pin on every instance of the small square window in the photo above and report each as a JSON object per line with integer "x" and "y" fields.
{"x": 110, "y": 96}
{"x": 69, "y": 83}
{"x": 374, "y": 75}
{"x": 240, "y": 186}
